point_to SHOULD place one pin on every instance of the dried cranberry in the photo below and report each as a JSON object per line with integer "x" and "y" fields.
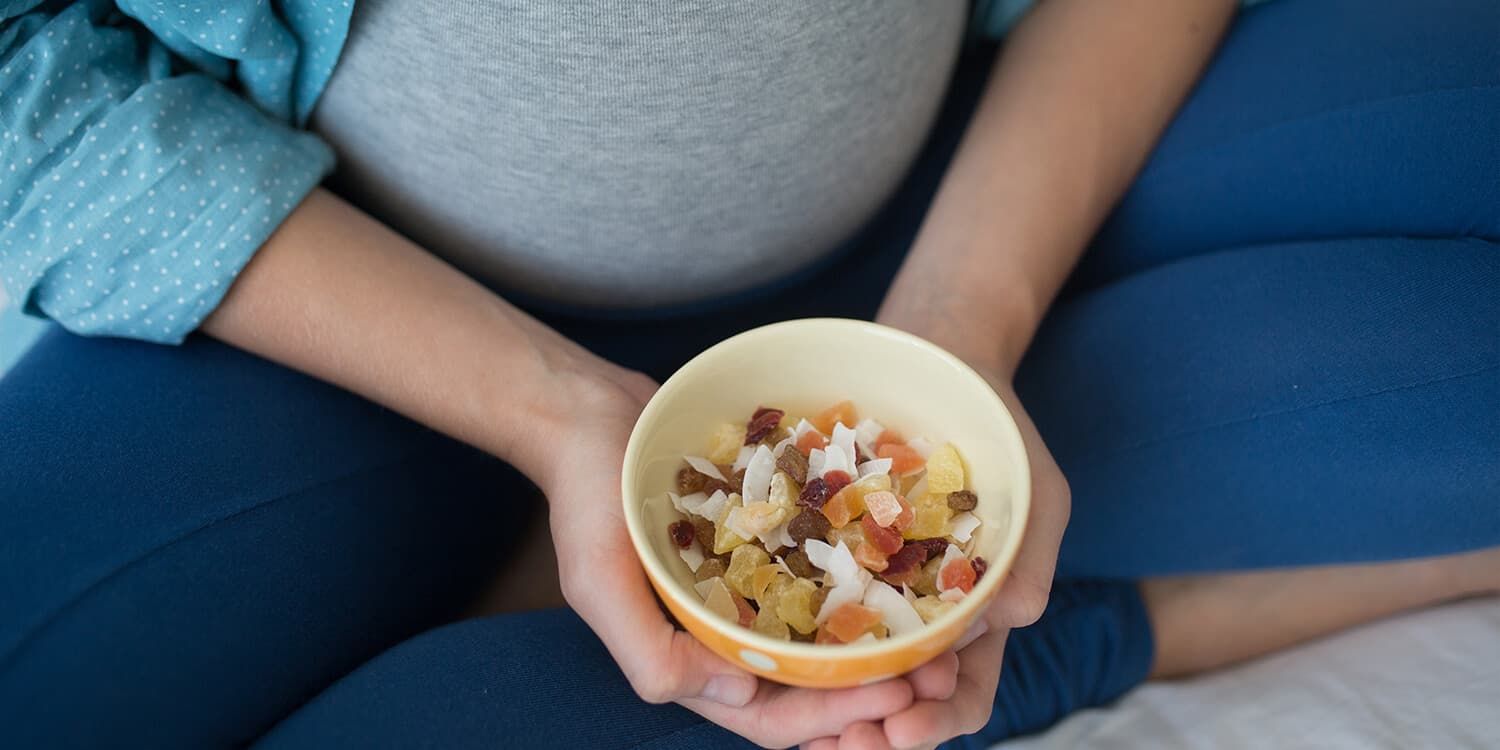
{"x": 836, "y": 480}
{"x": 814, "y": 493}
{"x": 962, "y": 500}
{"x": 809, "y": 524}
{"x": 979, "y": 567}
{"x": 762, "y": 424}
{"x": 933, "y": 547}
{"x": 682, "y": 533}
{"x": 794, "y": 464}
{"x": 905, "y": 566}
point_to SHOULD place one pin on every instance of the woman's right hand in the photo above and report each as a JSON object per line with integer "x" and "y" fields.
{"x": 603, "y": 581}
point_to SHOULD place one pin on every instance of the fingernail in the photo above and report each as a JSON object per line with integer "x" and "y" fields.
{"x": 980, "y": 627}
{"x": 730, "y": 690}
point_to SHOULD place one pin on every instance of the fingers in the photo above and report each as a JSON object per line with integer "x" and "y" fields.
{"x": 662, "y": 663}
{"x": 929, "y": 722}
{"x": 781, "y": 716}
{"x": 936, "y": 679}
{"x": 1023, "y": 596}
{"x": 865, "y": 735}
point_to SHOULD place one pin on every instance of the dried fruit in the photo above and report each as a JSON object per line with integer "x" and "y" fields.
{"x": 904, "y": 460}
{"x": 725, "y": 540}
{"x": 810, "y": 441}
{"x": 814, "y": 493}
{"x": 745, "y": 613}
{"x": 851, "y": 535}
{"x": 962, "y": 500}
{"x": 742, "y": 564}
{"x": 799, "y": 564}
{"x": 888, "y": 436}
{"x": 956, "y": 574}
{"x": 794, "y": 464}
{"x": 720, "y": 600}
{"x": 905, "y": 566}
{"x": 713, "y": 567}
{"x": 932, "y": 516}
{"x": 930, "y": 608}
{"x": 762, "y": 424}
{"x": 980, "y": 565}
{"x": 907, "y": 517}
{"x": 945, "y": 471}
{"x": 703, "y": 529}
{"x": 851, "y": 621}
{"x": 784, "y": 491}
{"x": 767, "y": 623}
{"x": 816, "y": 603}
{"x": 836, "y": 481}
{"x": 725, "y": 443}
{"x": 883, "y": 539}
{"x": 689, "y": 480}
{"x": 926, "y": 583}
{"x": 809, "y": 524}
{"x": 795, "y": 606}
{"x": 840, "y": 413}
{"x": 682, "y": 533}
{"x": 883, "y": 507}
{"x": 761, "y": 579}
{"x": 870, "y": 557}
{"x": 933, "y": 547}
{"x": 844, "y": 506}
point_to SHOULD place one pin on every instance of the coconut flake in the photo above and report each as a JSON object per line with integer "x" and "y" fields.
{"x": 758, "y": 472}
{"x": 693, "y": 556}
{"x": 843, "y": 439}
{"x": 951, "y": 554}
{"x": 875, "y": 466}
{"x": 954, "y": 594}
{"x": 907, "y": 593}
{"x": 705, "y": 467}
{"x": 815, "y": 460}
{"x": 703, "y": 587}
{"x": 898, "y": 613}
{"x": 742, "y": 459}
{"x": 919, "y": 489}
{"x": 963, "y": 525}
{"x": 841, "y": 565}
{"x": 803, "y": 427}
{"x": 688, "y": 503}
{"x": 777, "y": 449}
{"x": 838, "y": 596}
{"x": 921, "y": 445}
{"x": 713, "y": 507}
{"x": 865, "y": 433}
{"x": 779, "y": 537}
{"x": 818, "y": 553}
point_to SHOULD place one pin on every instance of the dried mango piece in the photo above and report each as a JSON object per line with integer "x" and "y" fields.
{"x": 870, "y": 558}
{"x": 930, "y": 607}
{"x": 761, "y": 579}
{"x": 724, "y": 444}
{"x": 956, "y": 574}
{"x": 904, "y": 460}
{"x": 840, "y": 413}
{"x": 888, "y": 541}
{"x": 945, "y": 471}
{"x": 845, "y": 505}
{"x": 888, "y": 436}
{"x": 784, "y": 490}
{"x": 742, "y": 564}
{"x": 795, "y": 606}
{"x": 767, "y": 623}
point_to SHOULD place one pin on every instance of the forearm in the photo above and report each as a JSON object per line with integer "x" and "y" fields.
{"x": 339, "y": 296}
{"x": 1078, "y": 97}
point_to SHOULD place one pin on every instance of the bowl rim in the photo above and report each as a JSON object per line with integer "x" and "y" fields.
{"x": 967, "y": 608}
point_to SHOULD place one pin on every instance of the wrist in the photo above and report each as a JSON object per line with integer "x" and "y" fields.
{"x": 987, "y": 325}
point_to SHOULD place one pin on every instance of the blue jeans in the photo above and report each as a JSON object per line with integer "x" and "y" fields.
{"x": 1283, "y": 349}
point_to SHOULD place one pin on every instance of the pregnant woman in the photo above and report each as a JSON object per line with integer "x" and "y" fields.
{"x": 286, "y": 431}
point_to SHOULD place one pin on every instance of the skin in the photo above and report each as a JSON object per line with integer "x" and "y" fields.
{"x": 1079, "y": 96}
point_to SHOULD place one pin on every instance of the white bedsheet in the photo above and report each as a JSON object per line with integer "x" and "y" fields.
{"x": 1429, "y": 679}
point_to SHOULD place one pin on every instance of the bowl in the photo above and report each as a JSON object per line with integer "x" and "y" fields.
{"x": 804, "y": 366}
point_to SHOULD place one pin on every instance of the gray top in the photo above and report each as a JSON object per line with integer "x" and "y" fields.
{"x": 634, "y": 152}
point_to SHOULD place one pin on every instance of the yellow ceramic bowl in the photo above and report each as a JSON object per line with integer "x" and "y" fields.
{"x": 804, "y": 366}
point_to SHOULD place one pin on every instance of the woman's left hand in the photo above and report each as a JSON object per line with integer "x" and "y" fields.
{"x": 942, "y": 712}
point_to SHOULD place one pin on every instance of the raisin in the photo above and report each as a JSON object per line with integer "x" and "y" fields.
{"x": 818, "y": 597}
{"x": 962, "y": 500}
{"x": 682, "y": 533}
{"x": 979, "y": 567}
{"x": 836, "y": 480}
{"x": 800, "y": 565}
{"x": 737, "y": 482}
{"x": 761, "y": 424}
{"x": 814, "y": 494}
{"x": 712, "y": 567}
{"x": 794, "y": 464}
{"x": 689, "y": 481}
{"x": 809, "y": 524}
{"x": 704, "y": 529}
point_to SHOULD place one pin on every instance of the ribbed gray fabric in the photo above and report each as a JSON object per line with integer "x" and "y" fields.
{"x": 634, "y": 152}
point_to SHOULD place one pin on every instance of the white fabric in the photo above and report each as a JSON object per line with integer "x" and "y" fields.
{"x": 1429, "y": 679}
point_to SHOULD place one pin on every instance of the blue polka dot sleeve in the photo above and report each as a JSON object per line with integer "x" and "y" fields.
{"x": 150, "y": 147}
